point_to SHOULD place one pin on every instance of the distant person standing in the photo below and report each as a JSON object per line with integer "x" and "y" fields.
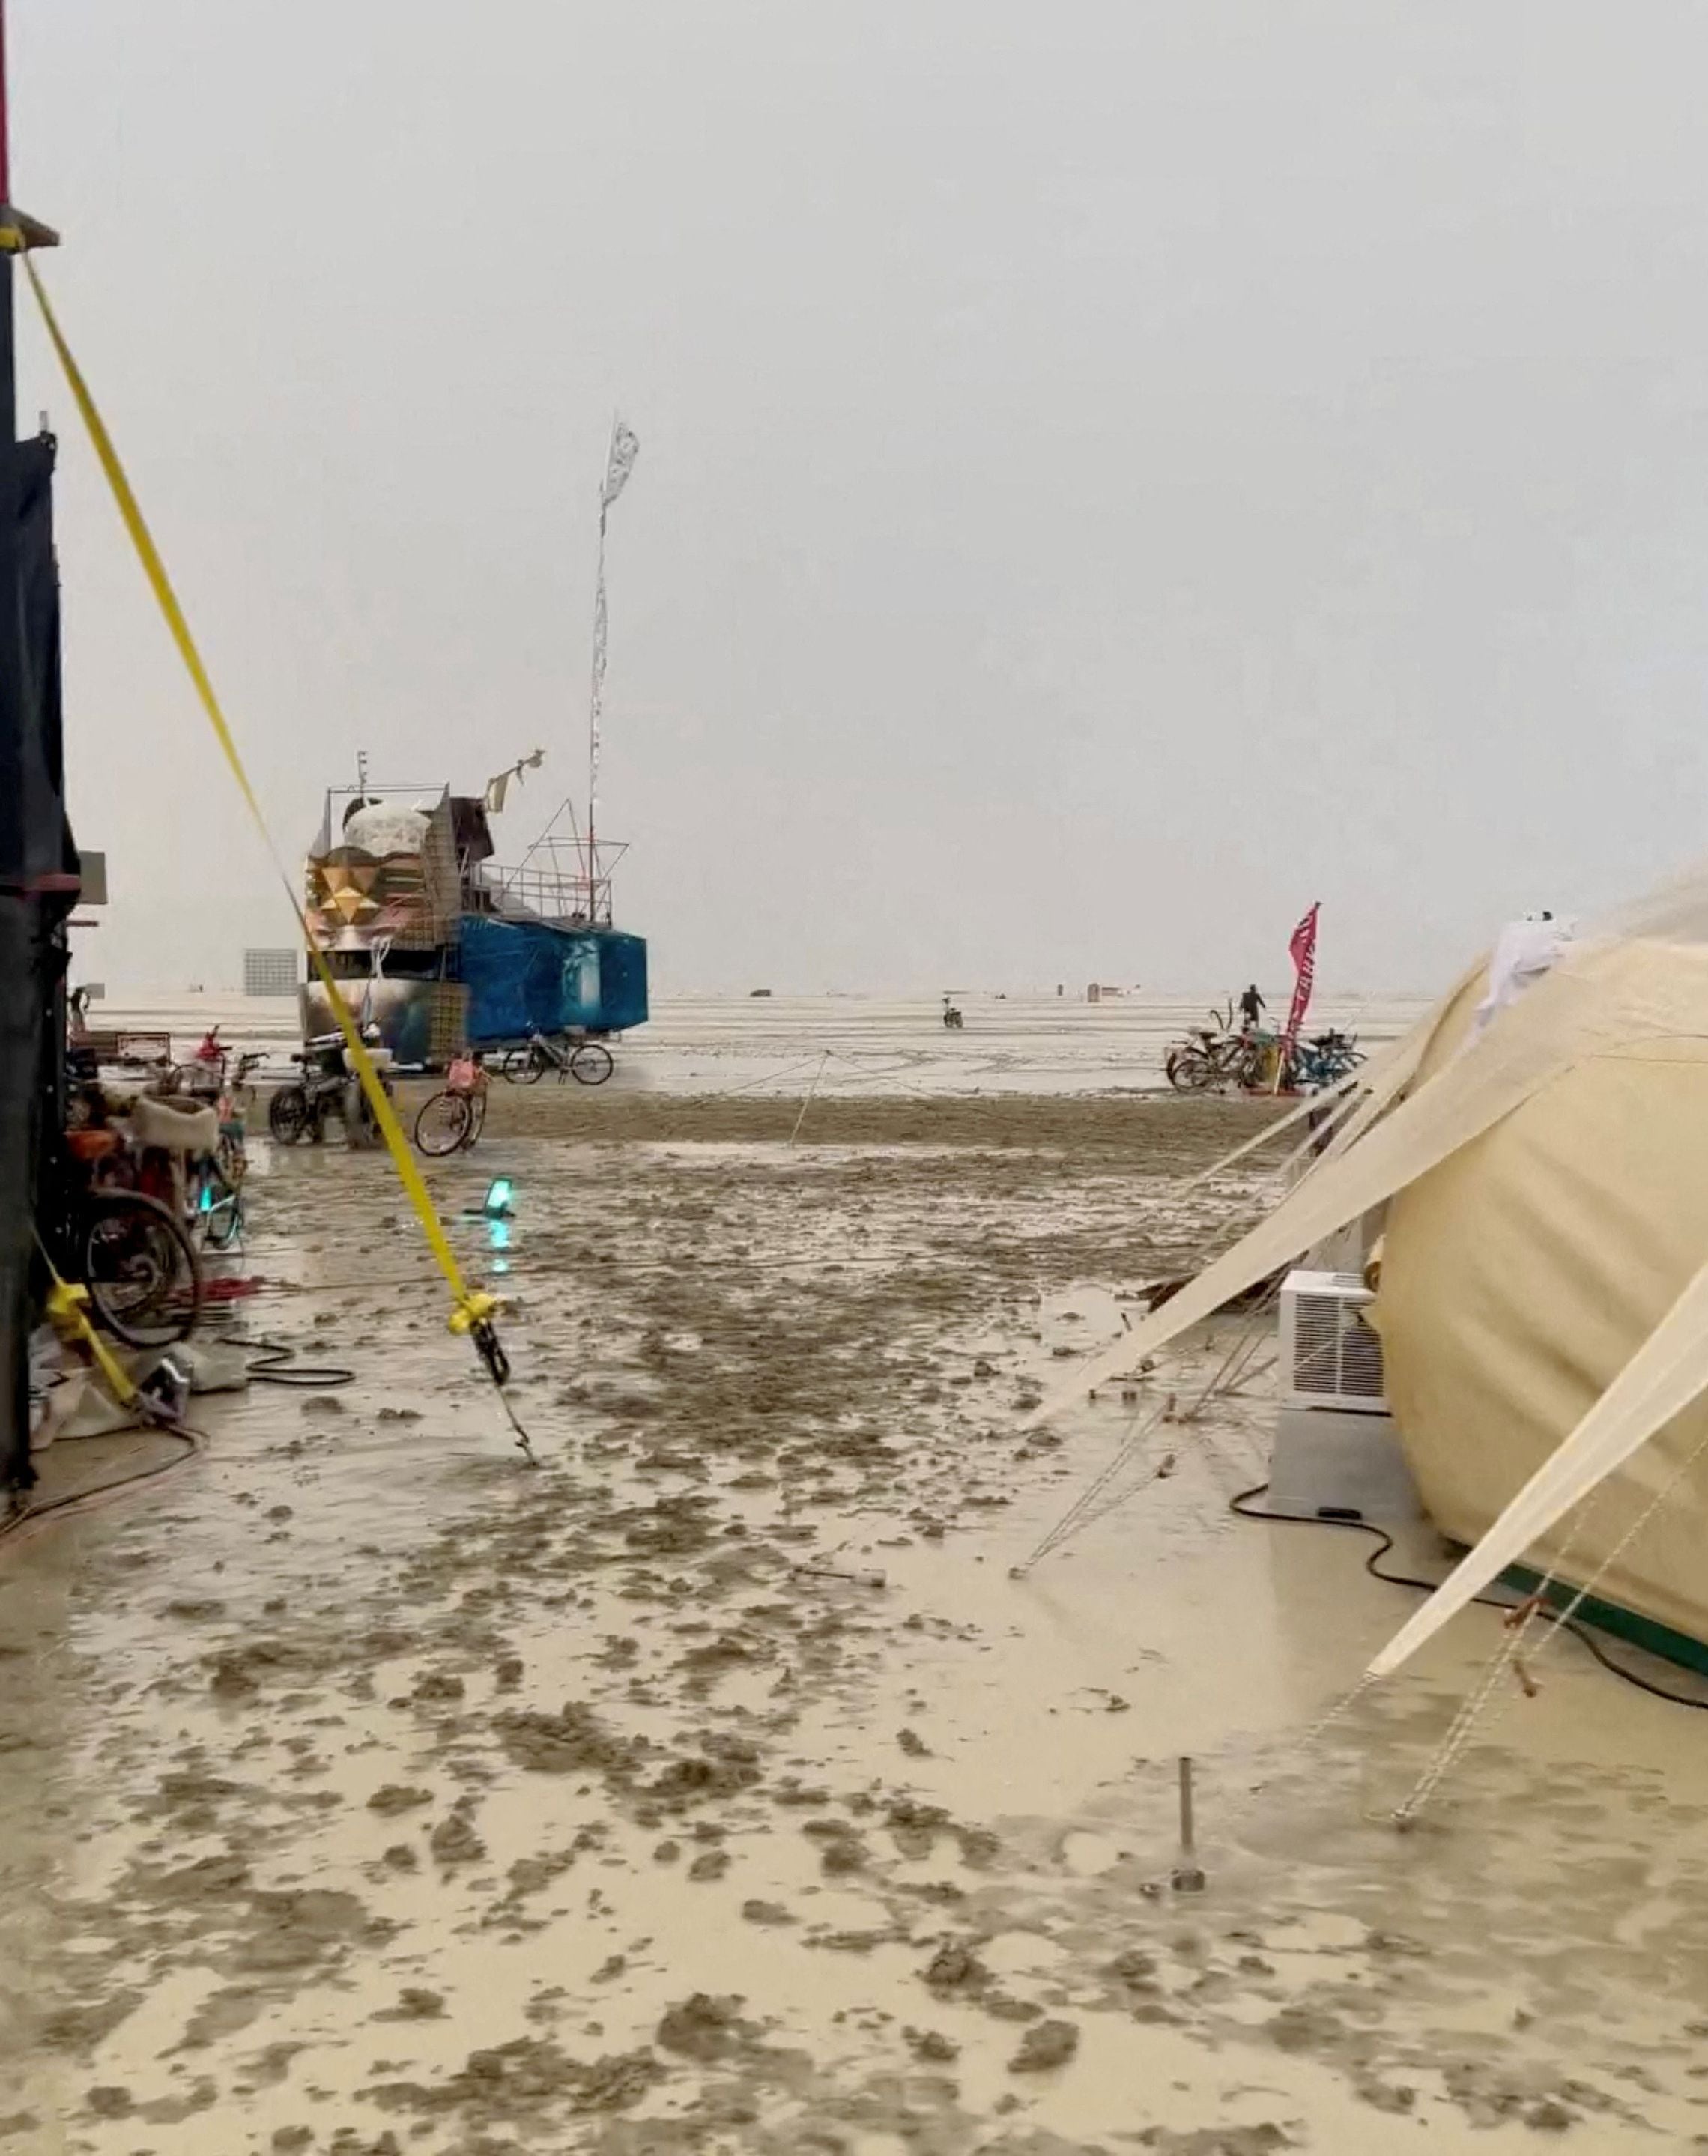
{"x": 1252, "y": 1008}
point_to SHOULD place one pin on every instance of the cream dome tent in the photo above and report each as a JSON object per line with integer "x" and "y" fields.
{"x": 1521, "y": 1277}
{"x": 1543, "y": 1299}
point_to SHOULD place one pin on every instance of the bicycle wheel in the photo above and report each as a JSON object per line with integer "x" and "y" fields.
{"x": 1189, "y": 1070}
{"x": 140, "y": 1267}
{"x": 288, "y": 1115}
{"x": 443, "y": 1124}
{"x": 526, "y": 1066}
{"x": 218, "y": 1208}
{"x": 233, "y": 1159}
{"x": 591, "y": 1063}
{"x": 1254, "y": 1069}
{"x": 477, "y": 1116}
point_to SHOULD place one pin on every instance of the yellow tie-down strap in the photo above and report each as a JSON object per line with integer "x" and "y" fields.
{"x": 68, "y": 1313}
{"x": 471, "y": 1308}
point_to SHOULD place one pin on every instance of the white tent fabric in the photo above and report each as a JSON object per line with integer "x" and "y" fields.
{"x": 1666, "y": 1374}
{"x": 1524, "y": 951}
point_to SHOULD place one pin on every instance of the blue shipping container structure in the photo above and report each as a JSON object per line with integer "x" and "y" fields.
{"x": 440, "y": 949}
{"x": 531, "y": 977}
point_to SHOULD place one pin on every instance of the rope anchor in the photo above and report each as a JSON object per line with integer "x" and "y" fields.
{"x": 490, "y": 1350}
{"x": 474, "y": 1316}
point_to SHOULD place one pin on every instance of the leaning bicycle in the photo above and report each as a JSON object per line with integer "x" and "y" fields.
{"x": 588, "y": 1062}
{"x": 131, "y": 1251}
{"x": 452, "y": 1121}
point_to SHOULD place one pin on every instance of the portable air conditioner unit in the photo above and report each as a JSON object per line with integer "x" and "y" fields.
{"x": 1330, "y": 1354}
{"x": 1336, "y": 1454}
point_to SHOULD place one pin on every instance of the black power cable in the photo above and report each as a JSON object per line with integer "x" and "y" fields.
{"x": 1242, "y": 1505}
{"x": 193, "y": 1440}
{"x": 273, "y": 1362}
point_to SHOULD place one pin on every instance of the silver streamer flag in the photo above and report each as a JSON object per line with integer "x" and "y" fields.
{"x": 625, "y": 448}
{"x": 496, "y": 788}
{"x": 619, "y": 463}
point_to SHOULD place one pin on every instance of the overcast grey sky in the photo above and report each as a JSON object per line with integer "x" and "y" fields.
{"x": 1111, "y": 473}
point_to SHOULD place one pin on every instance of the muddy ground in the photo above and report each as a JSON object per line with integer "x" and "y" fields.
{"x": 1158, "y": 1131}
{"x": 712, "y": 1786}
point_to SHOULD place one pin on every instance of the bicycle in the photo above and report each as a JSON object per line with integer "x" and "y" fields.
{"x": 1208, "y": 1059}
{"x": 204, "y": 1075}
{"x": 234, "y": 1104}
{"x": 589, "y": 1062}
{"x": 327, "y": 1088}
{"x": 174, "y": 1148}
{"x": 452, "y": 1121}
{"x": 1323, "y": 1060}
{"x": 213, "y": 1200}
{"x": 213, "y": 1182}
{"x": 132, "y": 1253}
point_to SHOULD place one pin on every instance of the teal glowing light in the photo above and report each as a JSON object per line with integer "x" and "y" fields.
{"x": 498, "y": 1197}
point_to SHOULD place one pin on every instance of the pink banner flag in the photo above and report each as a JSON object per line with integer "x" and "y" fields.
{"x": 1303, "y": 952}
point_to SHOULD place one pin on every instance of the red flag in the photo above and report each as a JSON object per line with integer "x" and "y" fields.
{"x": 1302, "y": 950}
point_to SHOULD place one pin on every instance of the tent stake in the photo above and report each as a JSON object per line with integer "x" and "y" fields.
{"x": 1188, "y": 1879}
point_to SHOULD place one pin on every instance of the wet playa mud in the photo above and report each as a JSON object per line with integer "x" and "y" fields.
{"x": 713, "y": 1786}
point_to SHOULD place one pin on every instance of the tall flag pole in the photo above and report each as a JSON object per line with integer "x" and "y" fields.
{"x": 619, "y": 463}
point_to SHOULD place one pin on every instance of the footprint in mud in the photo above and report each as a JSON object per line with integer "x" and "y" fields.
{"x": 1045, "y": 2047}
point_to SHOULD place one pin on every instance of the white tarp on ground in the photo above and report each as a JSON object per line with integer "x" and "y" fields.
{"x": 1665, "y": 1375}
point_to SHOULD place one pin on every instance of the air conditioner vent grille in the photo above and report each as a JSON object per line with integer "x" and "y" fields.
{"x": 1361, "y": 1358}
{"x": 1330, "y": 1356}
{"x": 1316, "y": 1345}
